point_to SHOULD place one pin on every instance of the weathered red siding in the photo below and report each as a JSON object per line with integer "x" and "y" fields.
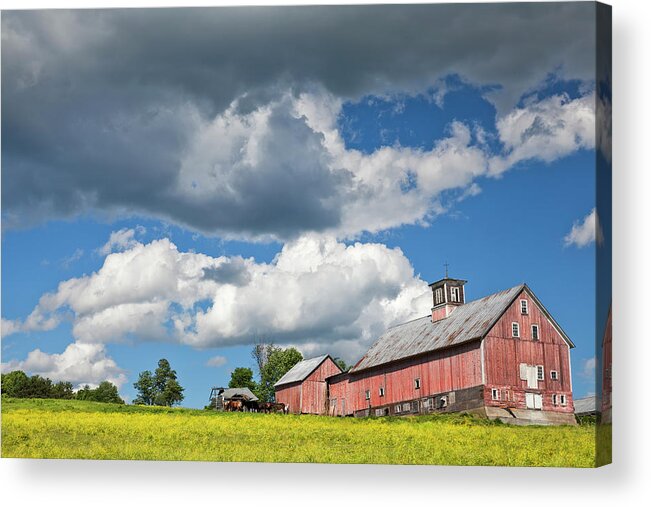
{"x": 290, "y": 395}
{"x": 442, "y": 371}
{"x": 607, "y": 369}
{"x": 338, "y": 395}
{"x": 503, "y": 355}
{"x": 309, "y": 396}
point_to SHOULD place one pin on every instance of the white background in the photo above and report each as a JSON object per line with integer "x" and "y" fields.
{"x": 627, "y": 481}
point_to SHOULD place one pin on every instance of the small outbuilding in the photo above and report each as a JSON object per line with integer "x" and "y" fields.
{"x": 304, "y": 389}
{"x": 585, "y": 406}
{"x": 220, "y": 395}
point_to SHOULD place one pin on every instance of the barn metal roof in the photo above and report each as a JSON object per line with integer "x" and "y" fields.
{"x": 586, "y": 405}
{"x": 301, "y": 370}
{"x": 239, "y": 391}
{"x": 467, "y": 322}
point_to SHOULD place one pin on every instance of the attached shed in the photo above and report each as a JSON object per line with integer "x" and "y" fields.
{"x": 223, "y": 394}
{"x": 585, "y": 406}
{"x": 304, "y": 389}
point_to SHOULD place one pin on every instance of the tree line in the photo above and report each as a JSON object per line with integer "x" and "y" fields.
{"x": 272, "y": 362}
{"x": 17, "y": 384}
{"x": 160, "y": 388}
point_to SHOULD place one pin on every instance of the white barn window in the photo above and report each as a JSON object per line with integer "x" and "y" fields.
{"x": 540, "y": 370}
{"x": 454, "y": 294}
{"x": 438, "y": 296}
{"x": 515, "y": 330}
{"x": 524, "y": 306}
{"x": 553, "y": 374}
{"x": 495, "y": 394}
{"x": 534, "y": 332}
{"x": 381, "y": 391}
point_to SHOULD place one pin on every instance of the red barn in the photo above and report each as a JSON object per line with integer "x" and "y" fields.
{"x": 503, "y": 356}
{"x": 606, "y": 371}
{"x": 303, "y": 389}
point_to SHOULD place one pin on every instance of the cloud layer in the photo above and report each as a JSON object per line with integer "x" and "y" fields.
{"x": 230, "y": 135}
{"x": 317, "y": 292}
{"x": 79, "y": 363}
{"x": 585, "y": 232}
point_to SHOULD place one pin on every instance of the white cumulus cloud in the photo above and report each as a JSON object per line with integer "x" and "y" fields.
{"x": 316, "y": 291}
{"x": 121, "y": 240}
{"x": 545, "y": 130}
{"x": 585, "y": 232}
{"x": 217, "y": 361}
{"x": 79, "y": 363}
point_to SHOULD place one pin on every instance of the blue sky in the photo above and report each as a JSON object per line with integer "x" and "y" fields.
{"x": 295, "y": 212}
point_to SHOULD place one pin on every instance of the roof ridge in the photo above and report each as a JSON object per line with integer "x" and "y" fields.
{"x": 469, "y": 322}
{"x": 408, "y": 321}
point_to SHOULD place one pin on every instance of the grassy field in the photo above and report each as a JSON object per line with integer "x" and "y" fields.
{"x": 88, "y": 430}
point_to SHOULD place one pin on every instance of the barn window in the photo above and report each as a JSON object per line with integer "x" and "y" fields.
{"x": 553, "y": 374}
{"x": 406, "y": 407}
{"x": 534, "y": 332}
{"x": 495, "y": 394}
{"x": 368, "y": 394}
{"x": 454, "y": 294}
{"x": 554, "y": 399}
{"x": 515, "y": 330}
{"x": 563, "y": 400}
{"x": 438, "y": 296}
{"x": 396, "y": 409}
{"x": 541, "y": 372}
{"x": 381, "y": 391}
{"x": 416, "y": 383}
{"x": 524, "y": 306}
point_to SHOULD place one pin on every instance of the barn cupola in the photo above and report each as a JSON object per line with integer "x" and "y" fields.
{"x": 448, "y": 293}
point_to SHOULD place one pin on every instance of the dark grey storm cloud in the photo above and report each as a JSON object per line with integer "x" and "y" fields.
{"x": 99, "y": 108}
{"x": 233, "y": 271}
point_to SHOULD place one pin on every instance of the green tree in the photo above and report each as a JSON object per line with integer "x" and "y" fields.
{"x": 146, "y": 389}
{"x": 62, "y": 391}
{"x": 162, "y": 374}
{"x": 243, "y": 377}
{"x": 39, "y": 387}
{"x": 85, "y": 393}
{"x": 106, "y": 392}
{"x": 172, "y": 393}
{"x": 15, "y": 384}
{"x": 161, "y": 388}
{"x": 279, "y": 361}
{"x": 342, "y": 364}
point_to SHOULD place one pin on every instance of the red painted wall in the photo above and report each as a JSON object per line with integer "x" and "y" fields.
{"x": 503, "y": 355}
{"x": 339, "y": 392}
{"x": 309, "y": 396}
{"x": 315, "y": 388}
{"x": 290, "y": 395}
{"x": 443, "y": 371}
{"x": 607, "y": 365}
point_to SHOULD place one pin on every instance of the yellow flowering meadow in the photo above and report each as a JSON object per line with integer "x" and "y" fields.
{"x": 88, "y": 430}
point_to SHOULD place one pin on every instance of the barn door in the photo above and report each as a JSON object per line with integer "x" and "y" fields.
{"x": 534, "y": 400}
{"x": 529, "y": 399}
{"x": 530, "y": 374}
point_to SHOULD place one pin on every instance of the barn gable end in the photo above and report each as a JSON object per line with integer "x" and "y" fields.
{"x": 303, "y": 389}
{"x": 526, "y": 359}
